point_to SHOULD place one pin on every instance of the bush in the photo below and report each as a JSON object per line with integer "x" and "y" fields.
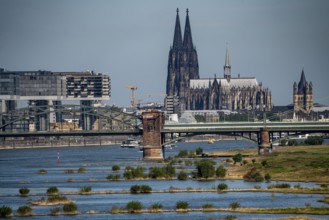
{"x": 24, "y": 210}
{"x": 292, "y": 143}
{"x": 70, "y": 207}
{"x": 267, "y": 177}
{"x": 5, "y": 211}
{"x": 146, "y": 189}
{"x": 182, "y": 154}
{"x": 283, "y": 142}
{"x": 115, "y": 177}
{"x": 82, "y": 170}
{"x": 134, "y": 206}
{"x": 136, "y": 189}
{"x": 205, "y": 168}
{"x": 234, "y": 205}
{"x": 253, "y": 175}
{"x": 279, "y": 185}
{"x": 264, "y": 163}
{"x": 57, "y": 199}
{"x": 168, "y": 171}
{"x": 199, "y": 151}
{"x": 134, "y": 173}
{"x": 115, "y": 168}
{"x": 42, "y": 171}
{"x": 207, "y": 206}
{"x": 55, "y": 211}
{"x": 237, "y": 158}
{"x": 52, "y": 190}
{"x": 156, "y": 206}
{"x": 222, "y": 186}
{"x": 230, "y": 217}
{"x": 314, "y": 140}
{"x": 24, "y": 191}
{"x": 221, "y": 172}
{"x": 85, "y": 189}
{"x": 182, "y": 205}
{"x": 182, "y": 175}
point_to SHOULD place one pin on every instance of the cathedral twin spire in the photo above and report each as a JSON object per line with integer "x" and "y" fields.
{"x": 187, "y": 43}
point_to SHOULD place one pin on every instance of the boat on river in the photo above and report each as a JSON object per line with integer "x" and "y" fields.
{"x": 130, "y": 143}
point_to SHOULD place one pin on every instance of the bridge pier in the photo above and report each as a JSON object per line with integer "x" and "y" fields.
{"x": 153, "y": 122}
{"x": 264, "y": 145}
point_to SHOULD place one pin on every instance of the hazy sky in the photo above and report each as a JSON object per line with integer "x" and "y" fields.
{"x": 130, "y": 41}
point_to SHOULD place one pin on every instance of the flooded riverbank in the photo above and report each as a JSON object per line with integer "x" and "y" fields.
{"x": 19, "y": 168}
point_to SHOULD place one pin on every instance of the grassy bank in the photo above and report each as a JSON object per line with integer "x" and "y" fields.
{"x": 297, "y": 163}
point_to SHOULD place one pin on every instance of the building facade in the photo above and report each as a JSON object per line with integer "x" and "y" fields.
{"x": 227, "y": 92}
{"x": 303, "y": 95}
{"x": 43, "y": 89}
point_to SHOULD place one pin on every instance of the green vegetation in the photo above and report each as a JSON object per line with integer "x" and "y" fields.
{"x": 299, "y": 163}
{"x": 24, "y": 211}
{"x": 267, "y": 177}
{"x": 221, "y": 172}
{"x": 85, "y": 189}
{"x": 136, "y": 189}
{"x": 115, "y": 168}
{"x": 112, "y": 177}
{"x": 182, "y": 154}
{"x": 207, "y": 206}
{"x": 167, "y": 171}
{"x": 253, "y": 175}
{"x": 52, "y": 190}
{"x": 237, "y": 158}
{"x": 222, "y": 186}
{"x": 292, "y": 143}
{"x": 199, "y": 151}
{"x": 82, "y": 170}
{"x": 313, "y": 140}
{"x": 42, "y": 171}
{"x": 24, "y": 191}
{"x": 205, "y": 168}
{"x": 230, "y": 217}
{"x": 234, "y": 205}
{"x": 5, "y": 211}
{"x": 56, "y": 199}
{"x": 134, "y": 173}
{"x": 134, "y": 206}
{"x": 279, "y": 185}
{"x": 70, "y": 208}
{"x": 55, "y": 211}
{"x": 156, "y": 206}
{"x": 182, "y": 175}
{"x": 182, "y": 205}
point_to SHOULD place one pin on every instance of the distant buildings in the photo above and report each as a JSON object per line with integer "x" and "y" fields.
{"x": 303, "y": 95}
{"x": 46, "y": 88}
{"x": 226, "y": 93}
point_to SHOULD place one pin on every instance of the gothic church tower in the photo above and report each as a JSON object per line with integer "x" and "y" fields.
{"x": 182, "y": 63}
{"x": 303, "y": 95}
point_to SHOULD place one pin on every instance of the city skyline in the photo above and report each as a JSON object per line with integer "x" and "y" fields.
{"x": 130, "y": 41}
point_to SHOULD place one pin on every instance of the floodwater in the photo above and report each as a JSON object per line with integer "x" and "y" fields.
{"x": 19, "y": 168}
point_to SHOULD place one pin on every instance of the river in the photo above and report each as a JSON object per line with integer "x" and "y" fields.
{"x": 19, "y": 168}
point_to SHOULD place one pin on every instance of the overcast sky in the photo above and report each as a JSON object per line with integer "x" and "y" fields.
{"x": 130, "y": 41}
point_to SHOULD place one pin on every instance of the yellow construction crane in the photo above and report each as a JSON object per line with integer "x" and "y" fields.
{"x": 133, "y": 95}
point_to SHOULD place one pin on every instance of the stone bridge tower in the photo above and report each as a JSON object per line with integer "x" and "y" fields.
{"x": 153, "y": 122}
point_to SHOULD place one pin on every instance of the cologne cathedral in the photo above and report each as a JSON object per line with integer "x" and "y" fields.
{"x": 218, "y": 93}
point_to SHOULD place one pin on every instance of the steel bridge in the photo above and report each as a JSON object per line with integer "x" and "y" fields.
{"x": 246, "y": 129}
